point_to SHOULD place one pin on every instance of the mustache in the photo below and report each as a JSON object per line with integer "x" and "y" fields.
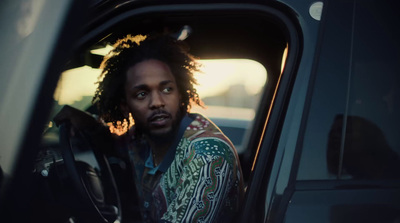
{"x": 157, "y": 114}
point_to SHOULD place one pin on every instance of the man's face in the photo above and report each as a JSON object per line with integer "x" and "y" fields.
{"x": 152, "y": 97}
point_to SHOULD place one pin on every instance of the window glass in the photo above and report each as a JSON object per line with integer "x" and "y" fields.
{"x": 353, "y": 128}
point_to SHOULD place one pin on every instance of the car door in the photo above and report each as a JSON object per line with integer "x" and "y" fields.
{"x": 36, "y": 40}
{"x": 337, "y": 159}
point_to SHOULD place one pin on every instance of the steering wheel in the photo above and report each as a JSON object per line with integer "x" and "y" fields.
{"x": 97, "y": 194}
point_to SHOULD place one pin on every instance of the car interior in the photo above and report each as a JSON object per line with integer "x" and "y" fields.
{"x": 212, "y": 35}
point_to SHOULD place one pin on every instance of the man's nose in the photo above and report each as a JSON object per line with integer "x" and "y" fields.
{"x": 157, "y": 100}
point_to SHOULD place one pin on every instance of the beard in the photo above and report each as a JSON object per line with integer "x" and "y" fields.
{"x": 160, "y": 137}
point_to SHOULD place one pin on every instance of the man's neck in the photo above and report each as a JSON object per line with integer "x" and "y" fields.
{"x": 160, "y": 146}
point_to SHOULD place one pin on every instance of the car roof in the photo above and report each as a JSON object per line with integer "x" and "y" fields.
{"x": 218, "y": 32}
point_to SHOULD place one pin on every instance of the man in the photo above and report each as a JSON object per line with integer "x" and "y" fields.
{"x": 185, "y": 169}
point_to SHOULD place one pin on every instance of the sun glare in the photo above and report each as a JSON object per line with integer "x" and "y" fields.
{"x": 218, "y": 75}
{"x": 75, "y": 84}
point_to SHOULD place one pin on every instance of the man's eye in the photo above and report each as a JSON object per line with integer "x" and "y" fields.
{"x": 167, "y": 90}
{"x": 141, "y": 95}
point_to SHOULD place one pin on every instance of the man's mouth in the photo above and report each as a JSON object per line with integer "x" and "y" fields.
{"x": 159, "y": 119}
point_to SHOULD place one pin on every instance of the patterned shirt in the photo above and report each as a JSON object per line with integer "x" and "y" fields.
{"x": 199, "y": 179}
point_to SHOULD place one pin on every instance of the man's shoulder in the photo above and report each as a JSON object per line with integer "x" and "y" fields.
{"x": 202, "y": 127}
{"x": 206, "y": 139}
